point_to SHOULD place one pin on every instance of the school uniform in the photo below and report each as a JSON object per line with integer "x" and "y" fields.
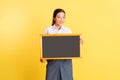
{"x": 59, "y": 69}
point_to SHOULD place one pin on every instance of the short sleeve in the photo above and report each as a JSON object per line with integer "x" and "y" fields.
{"x": 70, "y": 31}
{"x": 46, "y": 31}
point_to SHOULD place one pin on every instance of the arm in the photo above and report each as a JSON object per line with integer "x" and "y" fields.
{"x": 81, "y": 41}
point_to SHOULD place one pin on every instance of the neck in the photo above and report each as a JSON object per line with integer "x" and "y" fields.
{"x": 58, "y": 26}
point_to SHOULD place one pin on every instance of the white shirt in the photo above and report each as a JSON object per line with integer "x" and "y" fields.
{"x": 53, "y": 30}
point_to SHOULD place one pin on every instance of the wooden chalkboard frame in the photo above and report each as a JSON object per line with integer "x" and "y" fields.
{"x": 42, "y": 43}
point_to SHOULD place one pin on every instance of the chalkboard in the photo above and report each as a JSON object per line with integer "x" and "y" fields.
{"x": 60, "y": 46}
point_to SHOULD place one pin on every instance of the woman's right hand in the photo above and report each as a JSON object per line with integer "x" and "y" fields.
{"x": 43, "y": 60}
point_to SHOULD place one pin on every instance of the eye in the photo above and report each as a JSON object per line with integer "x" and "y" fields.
{"x": 58, "y": 17}
{"x": 64, "y": 17}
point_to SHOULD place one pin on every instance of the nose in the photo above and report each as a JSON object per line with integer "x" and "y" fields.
{"x": 61, "y": 19}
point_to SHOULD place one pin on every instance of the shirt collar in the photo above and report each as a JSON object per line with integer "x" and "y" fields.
{"x": 54, "y": 27}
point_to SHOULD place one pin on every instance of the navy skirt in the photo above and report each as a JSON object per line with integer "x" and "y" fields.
{"x": 59, "y": 70}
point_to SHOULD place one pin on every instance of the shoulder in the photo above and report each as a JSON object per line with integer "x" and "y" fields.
{"x": 67, "y": 29}
{"x": 49, "y": 28}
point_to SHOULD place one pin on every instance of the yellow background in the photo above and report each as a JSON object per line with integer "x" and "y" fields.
{"x": 21, "y": 22}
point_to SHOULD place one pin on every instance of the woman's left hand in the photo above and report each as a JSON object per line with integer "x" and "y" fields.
{"x": 81, "y": 41}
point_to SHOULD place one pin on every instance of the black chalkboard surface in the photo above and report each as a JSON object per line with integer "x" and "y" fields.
{"x": 60, "y": 46}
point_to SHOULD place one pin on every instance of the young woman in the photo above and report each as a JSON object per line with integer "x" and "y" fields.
{"x": 58, "y": 69}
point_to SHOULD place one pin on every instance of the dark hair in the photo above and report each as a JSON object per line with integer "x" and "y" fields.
{"x": 55, "y": 13}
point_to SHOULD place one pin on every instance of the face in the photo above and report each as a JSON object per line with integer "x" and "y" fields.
{"x": 59, "y": 19}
